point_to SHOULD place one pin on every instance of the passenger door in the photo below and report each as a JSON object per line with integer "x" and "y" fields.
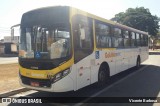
{"x": 83, "y": 47}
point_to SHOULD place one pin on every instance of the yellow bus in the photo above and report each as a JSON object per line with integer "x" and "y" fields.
{"x": 64, "y": 49}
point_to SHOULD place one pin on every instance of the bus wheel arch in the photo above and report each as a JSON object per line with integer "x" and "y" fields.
{"x": 138, "y": 62}
{"x": 103, "y": 74}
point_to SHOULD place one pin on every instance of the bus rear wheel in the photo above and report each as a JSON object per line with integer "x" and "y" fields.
{"x": 138, "y": 64}
{"x": 103, "y": 76}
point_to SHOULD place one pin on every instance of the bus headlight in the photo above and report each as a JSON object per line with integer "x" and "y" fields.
{"x": 60, "y": 75}
{"x": 65, "y": 72}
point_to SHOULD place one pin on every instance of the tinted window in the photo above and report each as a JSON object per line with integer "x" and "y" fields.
{"x": 82, "y": 36}
{"x": 126, "y": 36}
{"x": 145, "y": 40}
{"x": 118, "y": 39}
{"x": 138, "y": 39}
{"x": 103, "y": 36}
{"x": 133, "y": 39}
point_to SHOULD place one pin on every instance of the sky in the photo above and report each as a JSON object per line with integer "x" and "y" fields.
{"x": 11, "y": 10}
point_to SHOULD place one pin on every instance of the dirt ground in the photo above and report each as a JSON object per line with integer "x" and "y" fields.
{"x": 9, "y": 77}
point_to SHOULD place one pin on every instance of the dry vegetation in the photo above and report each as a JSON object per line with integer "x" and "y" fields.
{"x": 8, "y": 77}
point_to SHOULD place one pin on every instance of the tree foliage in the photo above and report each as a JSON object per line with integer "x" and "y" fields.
{"x": 158, "y": 34}
{"x": 139, "y": 18}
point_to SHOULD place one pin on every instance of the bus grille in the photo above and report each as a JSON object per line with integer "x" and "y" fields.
{"x": 40, "y": 65}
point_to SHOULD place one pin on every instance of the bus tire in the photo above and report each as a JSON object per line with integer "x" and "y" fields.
{"x": 138, "y": 63}
{"x": 103, "y": 75}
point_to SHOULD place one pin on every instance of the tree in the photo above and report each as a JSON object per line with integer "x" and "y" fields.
{"x": 155, "y": 41}
{"x": 157, "y": 37}
{"x": 158, "y": 34}
{"x": 139, "y": 18}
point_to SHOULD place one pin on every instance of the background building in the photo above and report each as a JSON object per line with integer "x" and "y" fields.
{"x": 11, "y": 46}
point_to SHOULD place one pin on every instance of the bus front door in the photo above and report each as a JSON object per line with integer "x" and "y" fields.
{"x": 83, "y": 73}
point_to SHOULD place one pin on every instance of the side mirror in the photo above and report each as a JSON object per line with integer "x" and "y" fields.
{"x": 12, "y": 31}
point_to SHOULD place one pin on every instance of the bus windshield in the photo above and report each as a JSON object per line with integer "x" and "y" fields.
{"x": 42, "y": 42}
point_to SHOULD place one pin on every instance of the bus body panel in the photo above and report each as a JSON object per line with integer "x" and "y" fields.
{"x": 144, "y": 53}
{"x": 83, "y": 72}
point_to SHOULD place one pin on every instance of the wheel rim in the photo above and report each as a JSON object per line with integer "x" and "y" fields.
{"x": 102, "y": 76}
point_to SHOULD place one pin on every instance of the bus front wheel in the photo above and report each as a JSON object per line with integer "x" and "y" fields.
{"x": 103, "y": 76}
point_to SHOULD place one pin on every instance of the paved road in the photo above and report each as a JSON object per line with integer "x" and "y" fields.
{"x": 6, "y": 60}
{"x": 131, "y": 83}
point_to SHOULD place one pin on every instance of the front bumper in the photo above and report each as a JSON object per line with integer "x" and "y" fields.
{"x": 63, "y": 85}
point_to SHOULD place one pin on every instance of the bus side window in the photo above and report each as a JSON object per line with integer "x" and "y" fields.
{"x": 145, "y": 40}
{"x": 138, "y": 39}
{"x": 118, "y": 42}
{"x": 126, "y": 39}
{"x": 82, "y": 36}
{"x": 133, "y": 39}
{"x": 103, "y": 35}
{"x": 143, "y": 37}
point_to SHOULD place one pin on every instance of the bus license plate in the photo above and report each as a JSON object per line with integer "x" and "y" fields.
{"x": 36, "y": 84}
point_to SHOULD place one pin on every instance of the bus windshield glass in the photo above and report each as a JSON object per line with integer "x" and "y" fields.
{"x": 41, "y": 42}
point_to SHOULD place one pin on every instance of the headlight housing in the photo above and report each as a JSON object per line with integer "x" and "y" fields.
{"x": 60, "y": 75}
